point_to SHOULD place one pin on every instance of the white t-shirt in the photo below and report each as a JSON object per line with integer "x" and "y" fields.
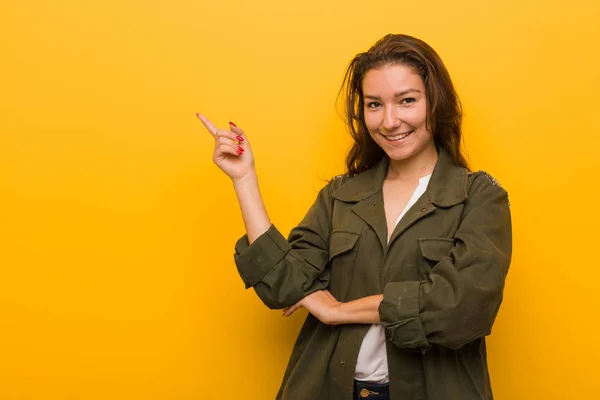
{"x": 371, "y": 365}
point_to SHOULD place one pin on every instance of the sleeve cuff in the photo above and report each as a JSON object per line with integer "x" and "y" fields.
{"x": 399, "y": 314}
{"x": 255, "y": 260}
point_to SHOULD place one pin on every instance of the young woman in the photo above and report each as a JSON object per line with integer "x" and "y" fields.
{"x": 401, "y": 262}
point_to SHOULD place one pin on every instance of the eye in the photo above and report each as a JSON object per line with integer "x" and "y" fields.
{"x": 373, "y": 104}
{"x": 408, "y": 100}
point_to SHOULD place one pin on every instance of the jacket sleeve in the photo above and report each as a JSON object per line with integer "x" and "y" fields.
{"x": 459, "y": 302}
{"x": 283, "y": 271}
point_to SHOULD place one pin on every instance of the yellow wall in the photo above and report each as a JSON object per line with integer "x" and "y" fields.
{"x": 117, "y": 231}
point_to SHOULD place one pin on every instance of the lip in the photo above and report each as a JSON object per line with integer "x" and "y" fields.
{"x": 407, "y": 133}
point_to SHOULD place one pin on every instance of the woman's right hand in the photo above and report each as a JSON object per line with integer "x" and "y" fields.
{"x": 232, "y": 153}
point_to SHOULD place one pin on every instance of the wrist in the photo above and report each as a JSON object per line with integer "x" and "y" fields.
{"x": 337, "y": 314}
{"x": 249, "y": 180}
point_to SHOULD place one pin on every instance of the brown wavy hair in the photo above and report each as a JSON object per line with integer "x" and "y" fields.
{"x": 444, "y": 110}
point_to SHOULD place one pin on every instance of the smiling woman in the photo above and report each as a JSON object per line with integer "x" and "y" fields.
{"x": 407, "y": 251}
{"x": 396, "y": 116}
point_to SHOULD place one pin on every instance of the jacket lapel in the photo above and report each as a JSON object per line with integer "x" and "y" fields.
{"x": 364, "y": 189}
{"x": 372, "y": 212}
{"x": 447, "y": 187}
{"x": 420, "y": 209}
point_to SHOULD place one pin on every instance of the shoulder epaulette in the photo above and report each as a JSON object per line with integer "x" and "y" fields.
{"x": 340, "y": 176}
{"x": 490, "y": 178}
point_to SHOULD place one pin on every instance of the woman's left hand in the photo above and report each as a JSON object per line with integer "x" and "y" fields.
{"x": 321, "y": 304}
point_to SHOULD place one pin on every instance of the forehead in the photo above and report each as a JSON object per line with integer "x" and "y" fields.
{"x": 391, "y": 77}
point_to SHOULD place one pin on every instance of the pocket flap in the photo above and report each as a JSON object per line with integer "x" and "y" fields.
{"x": 434, "y": 249}
{"x": 341, "y": 242}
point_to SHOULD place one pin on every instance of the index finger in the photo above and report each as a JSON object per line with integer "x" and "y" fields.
{"x": 209, "y": 125}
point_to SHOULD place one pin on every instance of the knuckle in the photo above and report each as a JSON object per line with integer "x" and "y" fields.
{"x": 224, "y": 140}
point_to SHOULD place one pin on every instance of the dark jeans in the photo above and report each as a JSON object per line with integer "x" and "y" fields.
{"x": 371, "y": 391}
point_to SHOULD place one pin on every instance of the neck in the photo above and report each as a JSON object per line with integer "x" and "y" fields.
{"x": 414, "y": 168}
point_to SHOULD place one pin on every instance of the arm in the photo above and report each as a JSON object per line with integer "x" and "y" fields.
{"x": 252, "y": 206}
{"x": 328, "y": 310}
{"x": 360, "y": 311}
{"x": 283, "y": 271}
{"x": 460, "y": 300}
{"x": 233, "y": 155}
{"x": 280, "y": 271}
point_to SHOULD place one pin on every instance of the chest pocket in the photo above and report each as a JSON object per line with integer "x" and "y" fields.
{"x": 343, "y": 250}
{"x": 433, "y": 250}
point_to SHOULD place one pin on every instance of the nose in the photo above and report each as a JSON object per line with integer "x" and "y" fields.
{"x": 391, "y": 118}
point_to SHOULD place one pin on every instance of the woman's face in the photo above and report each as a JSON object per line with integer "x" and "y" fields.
{"x": 395, "y": 110}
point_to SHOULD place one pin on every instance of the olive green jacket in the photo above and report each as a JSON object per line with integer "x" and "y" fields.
{"x": 442, "y": 276}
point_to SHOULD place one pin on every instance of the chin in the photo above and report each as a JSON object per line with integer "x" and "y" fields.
{"x": 400, "y": 154}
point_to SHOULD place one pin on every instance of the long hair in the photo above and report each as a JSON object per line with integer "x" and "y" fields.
{"x": 444, "y": 111}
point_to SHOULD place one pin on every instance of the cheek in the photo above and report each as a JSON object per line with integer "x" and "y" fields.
{"x": 371, "y": 121}
{"x": 417, "y": 117}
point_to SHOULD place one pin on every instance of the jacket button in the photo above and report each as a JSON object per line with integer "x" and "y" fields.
{"x": 342, "y": 362}
{"x": 423, "y": 209}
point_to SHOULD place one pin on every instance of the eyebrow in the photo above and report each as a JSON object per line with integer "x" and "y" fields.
{"x": 399, "y": 94}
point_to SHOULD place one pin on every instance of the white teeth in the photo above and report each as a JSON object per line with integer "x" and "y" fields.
{"x": 398, "y": 137}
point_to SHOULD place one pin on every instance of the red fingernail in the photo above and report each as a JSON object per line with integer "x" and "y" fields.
{"x": 239, "y": 138}
{"x": 240, "y": 149}
{"x": 231, "y": 123}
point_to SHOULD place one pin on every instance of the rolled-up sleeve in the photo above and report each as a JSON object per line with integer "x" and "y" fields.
{"x": 399, "y": 312}
{"x": 460, "y": 300}
{"x": 254, "y": 262}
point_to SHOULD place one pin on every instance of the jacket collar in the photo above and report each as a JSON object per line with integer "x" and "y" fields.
{"x": 447, "y": 186}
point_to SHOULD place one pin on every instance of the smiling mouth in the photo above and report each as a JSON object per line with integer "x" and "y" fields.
{"x": 401, "y": 136}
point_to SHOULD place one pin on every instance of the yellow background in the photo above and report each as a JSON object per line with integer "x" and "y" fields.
{"x": 117, "y": 231}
